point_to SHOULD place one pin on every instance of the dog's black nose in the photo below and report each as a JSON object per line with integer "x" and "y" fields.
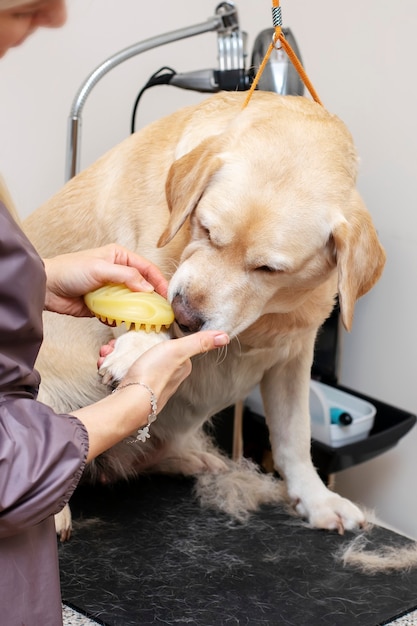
{"x": 187, "y": 318}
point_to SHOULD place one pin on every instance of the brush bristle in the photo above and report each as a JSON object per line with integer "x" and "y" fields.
{"x": 148, "y": 328}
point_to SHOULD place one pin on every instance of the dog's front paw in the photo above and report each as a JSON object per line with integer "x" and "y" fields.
{"x": 128, "y": 347}
{"x": 331, "y": 512}
{"x": 63, "y": 523}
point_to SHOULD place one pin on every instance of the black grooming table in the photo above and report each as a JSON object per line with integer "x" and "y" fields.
{"x": 146, "y": 553}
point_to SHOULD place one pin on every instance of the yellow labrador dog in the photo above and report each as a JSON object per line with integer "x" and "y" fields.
{"x": 254, "y": 216}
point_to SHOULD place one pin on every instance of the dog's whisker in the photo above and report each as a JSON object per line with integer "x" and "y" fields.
{"x": 221, "y": 355}
{"x": 236, "y": 338}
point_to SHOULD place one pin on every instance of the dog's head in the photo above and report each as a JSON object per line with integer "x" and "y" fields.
{"x": 273, "y": 214}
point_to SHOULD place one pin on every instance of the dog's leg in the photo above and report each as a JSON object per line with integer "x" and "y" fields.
{"x": 286, "y": 399}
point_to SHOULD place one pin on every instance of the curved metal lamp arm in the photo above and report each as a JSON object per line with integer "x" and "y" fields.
{"x": 73, "y": 145}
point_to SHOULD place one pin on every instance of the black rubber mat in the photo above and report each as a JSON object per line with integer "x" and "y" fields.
{"x": 147, "y": 553}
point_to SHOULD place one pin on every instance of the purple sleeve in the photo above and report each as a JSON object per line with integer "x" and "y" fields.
{"x": 42, "y": 454}
{"x": 42, "y": 457}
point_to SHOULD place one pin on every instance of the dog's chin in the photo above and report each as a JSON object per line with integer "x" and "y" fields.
{"x": 177, "y": 331}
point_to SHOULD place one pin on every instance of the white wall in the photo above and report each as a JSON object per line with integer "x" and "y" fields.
{"x": 360, "y": 57}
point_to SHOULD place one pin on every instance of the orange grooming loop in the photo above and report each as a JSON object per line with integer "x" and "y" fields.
{"x": 279, "y": 36}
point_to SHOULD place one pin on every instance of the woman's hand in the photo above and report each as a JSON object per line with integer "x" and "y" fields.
{"x": 71, "y": 276}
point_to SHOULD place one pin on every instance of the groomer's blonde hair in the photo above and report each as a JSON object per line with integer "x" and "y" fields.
{"x": 5, "y": 196}
{"x": 7, "y": 200}
{"x": 8, "y": 4}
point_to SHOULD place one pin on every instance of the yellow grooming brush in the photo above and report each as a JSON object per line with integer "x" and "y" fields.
{"x": 139, "y": 310}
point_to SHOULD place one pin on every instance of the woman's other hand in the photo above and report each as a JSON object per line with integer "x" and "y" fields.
{"x": 165, "y": 366}
{"x": 162, "y": 369}
{"x": 71, "y": 276}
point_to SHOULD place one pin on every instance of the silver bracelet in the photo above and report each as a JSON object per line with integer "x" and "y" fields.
{"x": 143, "y": 433}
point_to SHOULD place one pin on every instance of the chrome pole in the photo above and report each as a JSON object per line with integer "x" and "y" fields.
{"x": 74, "y": 126}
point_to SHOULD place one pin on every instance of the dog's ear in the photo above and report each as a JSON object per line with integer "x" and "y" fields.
{"x": 360, "y": 258}
{"x": 187, "y": 179}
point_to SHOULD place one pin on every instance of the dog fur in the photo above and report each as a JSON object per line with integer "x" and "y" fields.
{"x": 253, "y": 215}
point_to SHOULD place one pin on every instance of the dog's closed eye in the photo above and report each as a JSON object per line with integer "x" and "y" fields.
{"x": 270, "y": 264}
{"x": 205, "y": 232}
{"x": 269, "y": 269}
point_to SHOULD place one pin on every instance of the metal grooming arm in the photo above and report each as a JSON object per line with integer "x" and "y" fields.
{"x": 230, "y": 56}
